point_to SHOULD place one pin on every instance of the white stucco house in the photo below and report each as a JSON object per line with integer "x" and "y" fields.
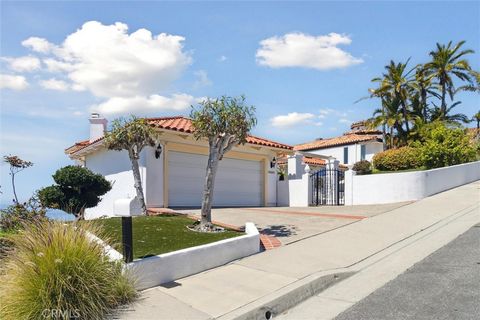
{"x": 173, "y": 172}
{"x": 353, "y": 146}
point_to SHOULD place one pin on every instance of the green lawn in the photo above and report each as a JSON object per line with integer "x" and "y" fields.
{"x": 160, "y": 234}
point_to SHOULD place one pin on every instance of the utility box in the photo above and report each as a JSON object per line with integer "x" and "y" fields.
{"x": 127, "y": 207}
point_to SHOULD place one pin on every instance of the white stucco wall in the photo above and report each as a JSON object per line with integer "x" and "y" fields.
{"x": 153, "y": 271}
{"x": 407, "y": 186}
{"x": 116, "y": 167}
{"x": 354, "y": 151}
{"x": 283, "y": 197}
{"x": 154, "y": 182}
{"x": 272, "y": 187}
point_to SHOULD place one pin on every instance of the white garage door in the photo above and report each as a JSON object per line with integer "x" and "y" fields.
{"x": 238, "y": 182}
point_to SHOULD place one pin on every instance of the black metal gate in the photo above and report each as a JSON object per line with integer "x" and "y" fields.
{"x": 328, "y": 187}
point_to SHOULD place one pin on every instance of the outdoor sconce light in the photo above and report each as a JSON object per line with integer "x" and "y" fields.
{"x": 273, "y": 163}
{"x": 158, "y": 151}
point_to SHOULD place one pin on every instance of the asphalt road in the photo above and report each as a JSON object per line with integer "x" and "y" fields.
{"x": 445, "y": 285}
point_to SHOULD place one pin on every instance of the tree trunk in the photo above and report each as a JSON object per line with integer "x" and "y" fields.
{"x": 212, "y": 166}
{"x": 137, "y": 181}
{"x": 443, "y": 108}
{"x": 404, "y": 110}
{"x": 384, "y": 128}
{"x": 13, "y": 187}
{"x": 424, "y": 105}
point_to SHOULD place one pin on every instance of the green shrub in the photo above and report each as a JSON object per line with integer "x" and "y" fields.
{"x": 362, "y": 167}
{"x": 76, "y": 188}
{"x": 13, "y": 217}
{"x": 442, "y": 146}
{"x": 398, "y": 159}
{"x": 56, "y": 268}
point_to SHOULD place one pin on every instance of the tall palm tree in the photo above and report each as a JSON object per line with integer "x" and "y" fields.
{"x": 422, "y": 90}
{"x": 447, "y": 64}
{"x": 397, "y": 84}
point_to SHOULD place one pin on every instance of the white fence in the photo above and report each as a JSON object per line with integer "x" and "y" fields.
{"x": 406, "y": 186}
{"x": 153, "y": 271}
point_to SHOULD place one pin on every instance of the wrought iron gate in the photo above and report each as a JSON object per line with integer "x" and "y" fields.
{"x": 328, "y": 187}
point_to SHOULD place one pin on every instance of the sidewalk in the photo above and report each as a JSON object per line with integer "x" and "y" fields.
{"x": 241, "y": 288}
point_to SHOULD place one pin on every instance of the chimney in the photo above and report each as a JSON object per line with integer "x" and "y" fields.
{"x": 98, "y": 126}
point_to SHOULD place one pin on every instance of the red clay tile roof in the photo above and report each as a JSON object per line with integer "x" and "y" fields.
{"x": 307, "y": 160}
{"x": 181, "y": 124}
{"x": 338, "y": 141}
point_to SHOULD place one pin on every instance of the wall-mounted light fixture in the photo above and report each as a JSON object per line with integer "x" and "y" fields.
{"x": 158, "y": 151}
{"x": 273, "y": 163}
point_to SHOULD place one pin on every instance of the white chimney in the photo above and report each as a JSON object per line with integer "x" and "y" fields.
{"x": 98, "y": 126}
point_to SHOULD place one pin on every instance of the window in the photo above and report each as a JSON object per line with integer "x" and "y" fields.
{"x": 363, "y": 151}
{"x": 345, "y": 155}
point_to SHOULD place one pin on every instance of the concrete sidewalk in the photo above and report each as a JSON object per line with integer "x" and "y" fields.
{"x": 243, "y": 288}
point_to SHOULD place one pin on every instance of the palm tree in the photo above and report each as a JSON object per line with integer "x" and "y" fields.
{"x": 397, "y": 84}
{"x": 446, "y": 64}
{"x": 390, "y": 118}
{"x": 422, "y": 90}
{"x": 476, "y": 117}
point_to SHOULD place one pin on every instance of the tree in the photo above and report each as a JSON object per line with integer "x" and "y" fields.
{"x": 132, "y": 135}
{"x": 447, "y": 63}
{"x": 16, "y": 165}
{"x": 76, "y": 188}
{"x": 476, "y": 118}
{"x": 225, "y": 122}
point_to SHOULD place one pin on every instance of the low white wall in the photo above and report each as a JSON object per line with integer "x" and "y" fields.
{"x": 153, "y": 271}
{"x": 407, "y": 186}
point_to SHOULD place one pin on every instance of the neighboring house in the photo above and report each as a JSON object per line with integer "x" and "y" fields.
{"x": 353, "y": 146}
{"x": 173, "y": 173}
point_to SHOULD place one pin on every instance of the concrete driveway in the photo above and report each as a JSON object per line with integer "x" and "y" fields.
{"x": 290, "y": 224}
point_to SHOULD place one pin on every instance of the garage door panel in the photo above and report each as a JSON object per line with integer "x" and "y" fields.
{"x": 237, "y": 183}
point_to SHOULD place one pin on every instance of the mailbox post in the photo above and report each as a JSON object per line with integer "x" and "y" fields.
{"x": 127, "y": 239}
{"x": 126, "y": 208}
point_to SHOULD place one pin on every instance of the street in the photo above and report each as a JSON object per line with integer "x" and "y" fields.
{"x": 445, "y": 285}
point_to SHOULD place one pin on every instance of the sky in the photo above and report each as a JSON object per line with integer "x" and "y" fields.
{"x": 303, "y": 65}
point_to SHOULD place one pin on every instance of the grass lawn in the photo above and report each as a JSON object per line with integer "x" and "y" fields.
{"x": 160, "y": 234}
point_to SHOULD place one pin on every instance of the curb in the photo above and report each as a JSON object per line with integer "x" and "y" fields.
{"x": 275, "y": 303}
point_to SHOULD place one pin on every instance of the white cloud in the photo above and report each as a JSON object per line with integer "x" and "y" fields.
{"x": 202, "y": 79}
{"x": 346, "y": 121}
{"x": 38, "y": 44}
{"x": 126, "y": 69}
{"x": 23, "y": 64}
{"x": 222, "y": 58}
{"x": 145, "y": 105}
{"x": 54, "y": 84}
{"x": 54, "y": 65}
{"x": 13, "y": 82}
{"x": 291, "y": 119}
{"x": 303, "y": 50}
{"x": 109, "y": 62}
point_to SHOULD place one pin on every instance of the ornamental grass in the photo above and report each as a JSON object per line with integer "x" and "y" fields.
{"x": 57, "y": 272}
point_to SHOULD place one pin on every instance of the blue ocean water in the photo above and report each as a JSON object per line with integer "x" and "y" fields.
{"x": 54, "y": 214}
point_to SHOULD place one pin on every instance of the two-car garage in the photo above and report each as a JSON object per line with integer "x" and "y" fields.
{"x": 239, "y": 182}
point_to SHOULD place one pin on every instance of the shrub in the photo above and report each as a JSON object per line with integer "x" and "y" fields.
{"x": 13, "y": 217}
{"x": 76, "y": 188}
{"x": 398, "y": 159}
{"x": 56, "y": 267}
{"x": 362, "y": 167}
{"x": 442, "y": 146}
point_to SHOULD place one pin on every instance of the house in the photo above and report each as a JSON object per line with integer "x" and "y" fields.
{"x": 173, "y": 172}
{"x": 358, "y": 144}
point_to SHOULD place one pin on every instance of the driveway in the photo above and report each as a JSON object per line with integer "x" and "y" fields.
{"x": 290, "y": 224}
